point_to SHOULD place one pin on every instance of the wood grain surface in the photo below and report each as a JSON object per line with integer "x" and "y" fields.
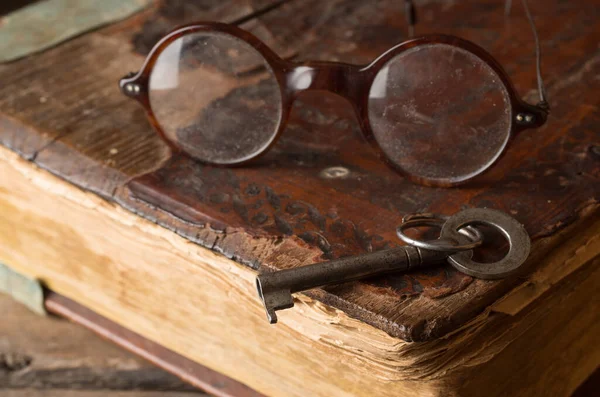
{"x": 62, "y": 110}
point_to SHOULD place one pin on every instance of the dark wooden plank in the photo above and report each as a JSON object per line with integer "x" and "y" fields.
{"x": 51, "y": 354}
{"x": 547, "y": 180}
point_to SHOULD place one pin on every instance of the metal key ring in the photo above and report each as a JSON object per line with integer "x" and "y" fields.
{"x": 469, "y": 231}
{"x": 441, "y": 244}
{"x": 513, "y": 231}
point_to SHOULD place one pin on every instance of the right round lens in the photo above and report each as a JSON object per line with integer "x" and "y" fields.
{"x": 440, "y": 113}
{"x": 215, "y": 97}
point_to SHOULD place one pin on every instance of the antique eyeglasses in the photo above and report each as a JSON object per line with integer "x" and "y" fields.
{"x": 437, "y": 108}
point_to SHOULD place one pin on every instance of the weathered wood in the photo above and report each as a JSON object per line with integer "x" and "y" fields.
{"x": 272, "y": 199}
{"x": 280, "y": 212}
{"x": 538, "y": 360}
{"x": 184, "y": 296}
{"x": 49, "y": 353}
{"x": 547, "y": 179}
{"x": 213, "y": 318}
{"x": 82, "y": 107}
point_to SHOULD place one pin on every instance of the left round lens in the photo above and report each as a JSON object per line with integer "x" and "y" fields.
{"x": 440, "y": 113}
{"x": 215, "y": 97}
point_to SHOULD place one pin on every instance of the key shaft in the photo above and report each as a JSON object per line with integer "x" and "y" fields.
{"x": 276, "y": 288}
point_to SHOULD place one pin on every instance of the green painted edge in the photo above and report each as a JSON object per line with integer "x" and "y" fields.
{"x": 45, "y": 24}
{"x": 23, "y": 289}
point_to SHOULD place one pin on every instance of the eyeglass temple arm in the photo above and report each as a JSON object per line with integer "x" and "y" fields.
{"x": 543, "y": 104}
{"x": 411, "y": 19}
{"x": 411, "y": 16}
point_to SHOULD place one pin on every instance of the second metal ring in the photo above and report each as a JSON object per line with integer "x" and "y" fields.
{"x": 442, "y": 245}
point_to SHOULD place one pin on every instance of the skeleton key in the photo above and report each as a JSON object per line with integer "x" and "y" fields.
{"x": 458, "y": 236}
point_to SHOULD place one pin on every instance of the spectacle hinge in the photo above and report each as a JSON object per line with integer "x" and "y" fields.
{"x": 130, "y": 85}
{"x": 529, "y": 116}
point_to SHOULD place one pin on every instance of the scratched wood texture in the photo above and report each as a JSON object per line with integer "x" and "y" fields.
{"x": 62, "y": 110}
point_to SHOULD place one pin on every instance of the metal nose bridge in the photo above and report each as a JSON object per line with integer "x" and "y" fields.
{"x": 338, "y": 78}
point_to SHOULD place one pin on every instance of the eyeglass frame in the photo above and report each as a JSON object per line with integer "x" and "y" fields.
{"x": 352, "y": 82}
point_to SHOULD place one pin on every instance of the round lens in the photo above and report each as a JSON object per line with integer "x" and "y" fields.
{"x": 215, "y": 97}
{"x": 440, "y": 113}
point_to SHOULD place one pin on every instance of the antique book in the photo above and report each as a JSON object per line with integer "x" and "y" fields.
{"x": 98, "y": 208}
